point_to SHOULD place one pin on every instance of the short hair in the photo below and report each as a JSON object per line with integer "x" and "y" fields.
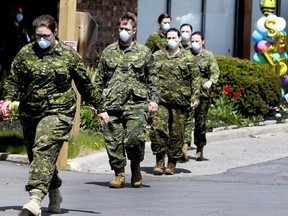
{"x": 198, "y": 33}
{"x": 129, "y": 16}
{"x": 174, "y": 30}
{"x": 45, "y": 21}
{"x": 163, "y": 16}
{"x": 186, "y": 24}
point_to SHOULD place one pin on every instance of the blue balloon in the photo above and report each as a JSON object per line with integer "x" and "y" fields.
{"x": 282, "y": 92}
{"x": 275, "y": 56}
{"x": 259, "y": 58}
{"x": 257, "y": 36}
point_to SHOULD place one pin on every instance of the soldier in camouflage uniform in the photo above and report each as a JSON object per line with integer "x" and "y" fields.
{"x": 180, "y": 90}
{"x": 186, "y": 44}
{"x": 210, "y": 74}
{"x": 157, "y": 40}
{"x": 127, "y": 75}
{"x": 40, "y": 79}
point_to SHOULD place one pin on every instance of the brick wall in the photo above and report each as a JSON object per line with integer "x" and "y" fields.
{"x": 106, "y": 13}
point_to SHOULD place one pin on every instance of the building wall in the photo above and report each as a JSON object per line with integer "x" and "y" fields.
{"x": 106, "y": 13}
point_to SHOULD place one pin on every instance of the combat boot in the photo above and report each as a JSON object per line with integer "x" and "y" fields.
{"x": 199, "y": 153}
{"x": 33, "y": 207}
{"x": 159, "y": 167}
{"x": 184, "y": 156}
{"x": 136, "y": 179}
{"x": 119, "y": 180}
{"x": 55, "y": 200}
{"x": 170, "y": 169}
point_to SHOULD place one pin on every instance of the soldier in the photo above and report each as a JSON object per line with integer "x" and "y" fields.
{"x": 186, "y": 32}
{"x": 127, "y": 75}
{"x": 210, "y": 75}
{"x": 157, "y": 40}
{"x": 179, "y": 79}
{"x": 40, "y": 78}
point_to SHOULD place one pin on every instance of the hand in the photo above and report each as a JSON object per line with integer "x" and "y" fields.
{"x": 152, "y": 107}
{"x": 7, "y": 105}
{"x": 194, "y": 104}
{"x": 94, "y": 111}
{"x": 104, "y": 118}
{"x": 207, "y": 85}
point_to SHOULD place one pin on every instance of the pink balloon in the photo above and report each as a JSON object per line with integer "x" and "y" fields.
{"x": 255, "y": 47}
{"x": 262, "y": 45}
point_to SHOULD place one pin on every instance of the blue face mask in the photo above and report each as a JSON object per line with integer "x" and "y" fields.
{"x": 124, "y": 36}
{"x": 196, "y": 47}
{"x": 185, "y": 36}
{"x": 166, "y": 27}
{"x": 44, "y": 43}
{"x": 172, "y": 44}
{"x": 19, "y": 17}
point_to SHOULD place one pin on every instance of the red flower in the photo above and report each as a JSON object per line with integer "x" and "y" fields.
{"x": 227, "y": 89}
{"x": 237, "y": 94}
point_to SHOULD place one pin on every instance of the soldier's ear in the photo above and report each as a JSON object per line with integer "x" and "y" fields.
{"x": 134, "y": 31}
{"x": 55, "y": 32}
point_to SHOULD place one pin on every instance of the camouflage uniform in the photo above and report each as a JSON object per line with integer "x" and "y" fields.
{"x": 129, "y": 81}
{"x": 42, "y": 84}
{"x": 180, "y": 85}
{"x": 156, "y": 41}
{"x": 209, "y": 71}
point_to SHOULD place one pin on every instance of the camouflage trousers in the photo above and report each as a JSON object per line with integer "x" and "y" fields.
{"x": 167, "y": 131}
{"x": 125, "y": 135}
{"x": 200, "y": 117}
{"x": 44, "y": 139}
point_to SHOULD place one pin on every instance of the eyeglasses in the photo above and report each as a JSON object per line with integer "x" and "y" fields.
{"x": 47, "y": 36}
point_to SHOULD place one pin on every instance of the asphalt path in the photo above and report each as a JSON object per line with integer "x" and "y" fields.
{"x": 243, "y": 175}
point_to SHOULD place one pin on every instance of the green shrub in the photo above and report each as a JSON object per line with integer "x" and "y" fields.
{"x": 259, "y": 86}
{"x": 88, "y": 120}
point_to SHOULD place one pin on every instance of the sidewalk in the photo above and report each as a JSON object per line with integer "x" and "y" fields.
{"x": 225, "y": 149}
{"x": 248, "y": 148}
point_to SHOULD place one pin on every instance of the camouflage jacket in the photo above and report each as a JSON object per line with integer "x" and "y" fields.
{"x": 208, "y": 68}
{"x": 127, "y": 75}
{"x": 156, "y": 41}
{"x": 179, "y": 78}
{"x": 42, "y": 81}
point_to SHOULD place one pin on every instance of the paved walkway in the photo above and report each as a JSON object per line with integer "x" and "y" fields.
{"x": 225, "y": 150}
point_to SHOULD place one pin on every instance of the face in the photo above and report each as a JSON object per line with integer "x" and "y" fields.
{"x": 46, "y": 33}
{"x": 186, "y": 29}
{"x": 127, "y": 26}
{"x": 173, "y": 36}
{"x": 165, "y": 21}
{"x": 197, "y": 38}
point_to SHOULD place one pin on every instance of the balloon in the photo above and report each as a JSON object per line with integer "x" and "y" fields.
{"x": 257, "y": 36}
{"x": 255, "y": 47}
{"x": 262, "y": 45}
{"x": 275, "y": 56}
{"x": 284, "y": 80}
{"x": 282, "y": 92}
{"x": 284, "y": 55}
{"x": 280, "y": 24}
{"x": 259, "y": 58}
{"x": 261, "y": 24}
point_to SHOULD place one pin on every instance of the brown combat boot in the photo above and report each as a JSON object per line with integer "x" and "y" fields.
{"x": 33, "y": 207}
{"x": 136, "y": 178}
{"x": 159, "y": 167}
{"x": 199, "y": 153}
{"x": 55, "y": 200}
{"x": 184, "y": 156}
{"x": 170, "y": 169}
{"x": 119, "y": 180}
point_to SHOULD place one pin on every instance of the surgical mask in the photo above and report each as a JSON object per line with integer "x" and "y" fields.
{"x": 172, "y": 44}
{"x": 124, "y": 36}
{"x": 166, "y": 27}
{"x": 44, "y": 43}
{"x": 185, "y": 36}
{"x": 196, "y": 47}
{"x": 19, "y": 17}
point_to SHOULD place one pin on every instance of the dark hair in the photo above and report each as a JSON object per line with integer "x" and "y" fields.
{"x": 45, "y": 21}
{"x": 187, "y": 24}
{"x": 129, "y": 16}
{"x": 198, "y": 33}
{"x": 163, "y": 16}
{"x": 174, "y": 30}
